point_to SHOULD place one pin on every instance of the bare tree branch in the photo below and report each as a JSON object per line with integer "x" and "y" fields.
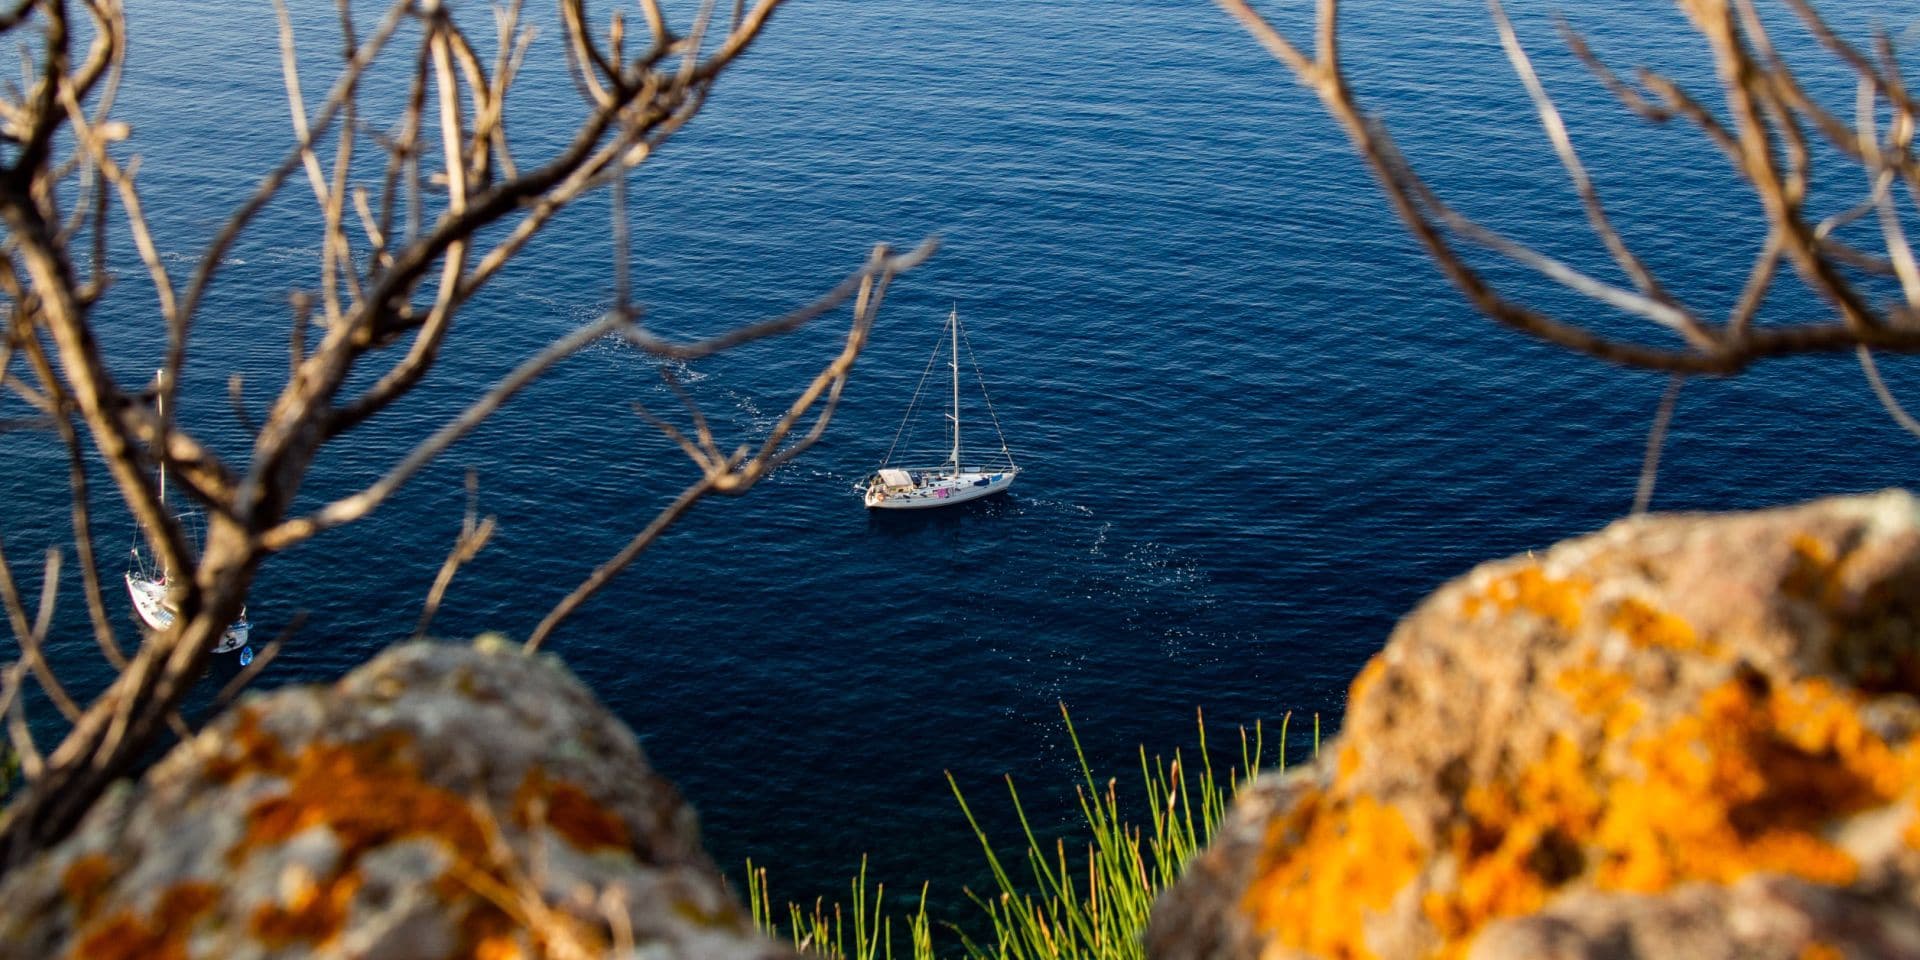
{"x": 1766, "y": 144}
{"x": 739, "y": 472}
{"x": 604, "y": 574}
{"x": 1656, "y": 438}
{"x": 32, "y": 767}
{"x": 426, "y": 254}
{"x": 343, "y": 89}
{"x": 474, "y": 534}
{"x": 1759, "y": 281}
{"x": 1589, "y": 196}
{"x": 1887, "y": 400}
{"x": 348, "y": 509}
{"x": 78, "y": 485}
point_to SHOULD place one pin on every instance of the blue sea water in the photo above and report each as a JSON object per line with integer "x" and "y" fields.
{"x": 1256, "y": 425}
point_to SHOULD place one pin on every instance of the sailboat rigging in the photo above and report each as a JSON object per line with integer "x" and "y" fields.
{"x": 957, "y": 480}
{"x": 149, "y": 590}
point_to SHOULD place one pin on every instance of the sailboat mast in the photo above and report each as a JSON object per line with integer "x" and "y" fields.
{"x": 160, "y": 409}
{"x": 953, "y": 328}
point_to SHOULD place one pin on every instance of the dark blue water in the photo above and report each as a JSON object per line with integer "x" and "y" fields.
{"x": 1256, "y": 425}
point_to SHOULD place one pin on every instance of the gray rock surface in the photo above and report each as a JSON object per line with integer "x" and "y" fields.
{"x": 440, "y": 801}
{"x": 1683, "y": 736}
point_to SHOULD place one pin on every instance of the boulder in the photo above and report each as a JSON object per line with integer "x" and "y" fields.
{"x": 440, "y": 801}
{"x": 1683, "y": 736}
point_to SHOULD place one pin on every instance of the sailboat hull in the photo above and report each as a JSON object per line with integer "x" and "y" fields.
{"x": 150, "y": 604}
{"x": 931, "y": 492}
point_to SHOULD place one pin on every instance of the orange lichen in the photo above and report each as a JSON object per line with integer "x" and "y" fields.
{"x": 1562, "y": 600}
{"x": 247, "y": 749}
{"x": 504, "y": 947}
{"x": 183, "y": 903}
{"x": 1649, "y": 626}
{"x": 1819, "y": 572}
{"x": 570, "y": 812}
{"x": 1602, "y": 693}
{"x": 1822, "y": 951}
{"x": 1367, "y": 677}
{"x": 1810, "y": 571}
{"x": 366, "y": 794}
{"x": 1327, "y": 865}
{"x": 1746, "y": 784}
{"x": 162, "y": 936}
{"x": 85, "y": 882}
{"x": 1519, "y": 841}
{"x": 1813, "y": 549}
{"x": 314, "y": 913}
{"x": 1347, "y": 762}
{"x": 124, "y": 937}
{"x": 487, "y": 933}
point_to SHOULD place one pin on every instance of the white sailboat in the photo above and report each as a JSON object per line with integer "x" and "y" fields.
{"x": 149, "y": 589}
{"x": 905, "y": 487}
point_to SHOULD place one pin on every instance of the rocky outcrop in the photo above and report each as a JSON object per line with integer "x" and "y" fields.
{"x": 1683, "y": 736}
{"x": 438, "y": 802}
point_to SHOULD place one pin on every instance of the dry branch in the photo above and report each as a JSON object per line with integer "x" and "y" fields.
{"x": 398, "y": 260}
{"x": 1769, "y": 107}
{"x": 737, "y": 473}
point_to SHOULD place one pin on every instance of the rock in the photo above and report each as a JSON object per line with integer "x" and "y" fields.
{"x": 1683, "y": 736}
{"x": 439, "y": 801}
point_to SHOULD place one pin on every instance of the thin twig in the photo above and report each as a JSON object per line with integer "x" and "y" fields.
{"x": 360, "y": 504}
{"x": 237, "y": 401}
{"x": 82, "y": 513}
{"x": 1656, "y": 438}
{"x": 606, "y": 571}
{"x": 31, "y": 642}
{"x": 31, "y": 764}
{"x": 316, "y": 178}
{"x": 702, "y": 431}
{"x": 16, "y": 608}
{"x": 1892, "y": 406}
{"x": 474, "y": 534}
{"x": 1769, "y": 149}
{"x": 1556, "y": 129}
{"x": 1759, "y": 281}
{"x": 1687, "y": 105}
{"x": 1627, "y": 301}
{"x": 740, "y": 472}
{"x": 1621, "y": 90}
{"x": 363, "y": 57}
{"x": 700, "y": 457}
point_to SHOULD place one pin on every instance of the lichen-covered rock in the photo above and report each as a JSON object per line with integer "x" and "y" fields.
{"x": 440, "y": 801}
{"x": 1684, "y": 736}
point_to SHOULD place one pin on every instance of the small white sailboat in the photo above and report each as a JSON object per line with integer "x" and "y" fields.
{"x": 151, "y": 603}
{"x": 905, "y": 487}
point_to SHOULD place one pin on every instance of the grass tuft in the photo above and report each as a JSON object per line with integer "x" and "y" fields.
{"x": 1053, "y": 906}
